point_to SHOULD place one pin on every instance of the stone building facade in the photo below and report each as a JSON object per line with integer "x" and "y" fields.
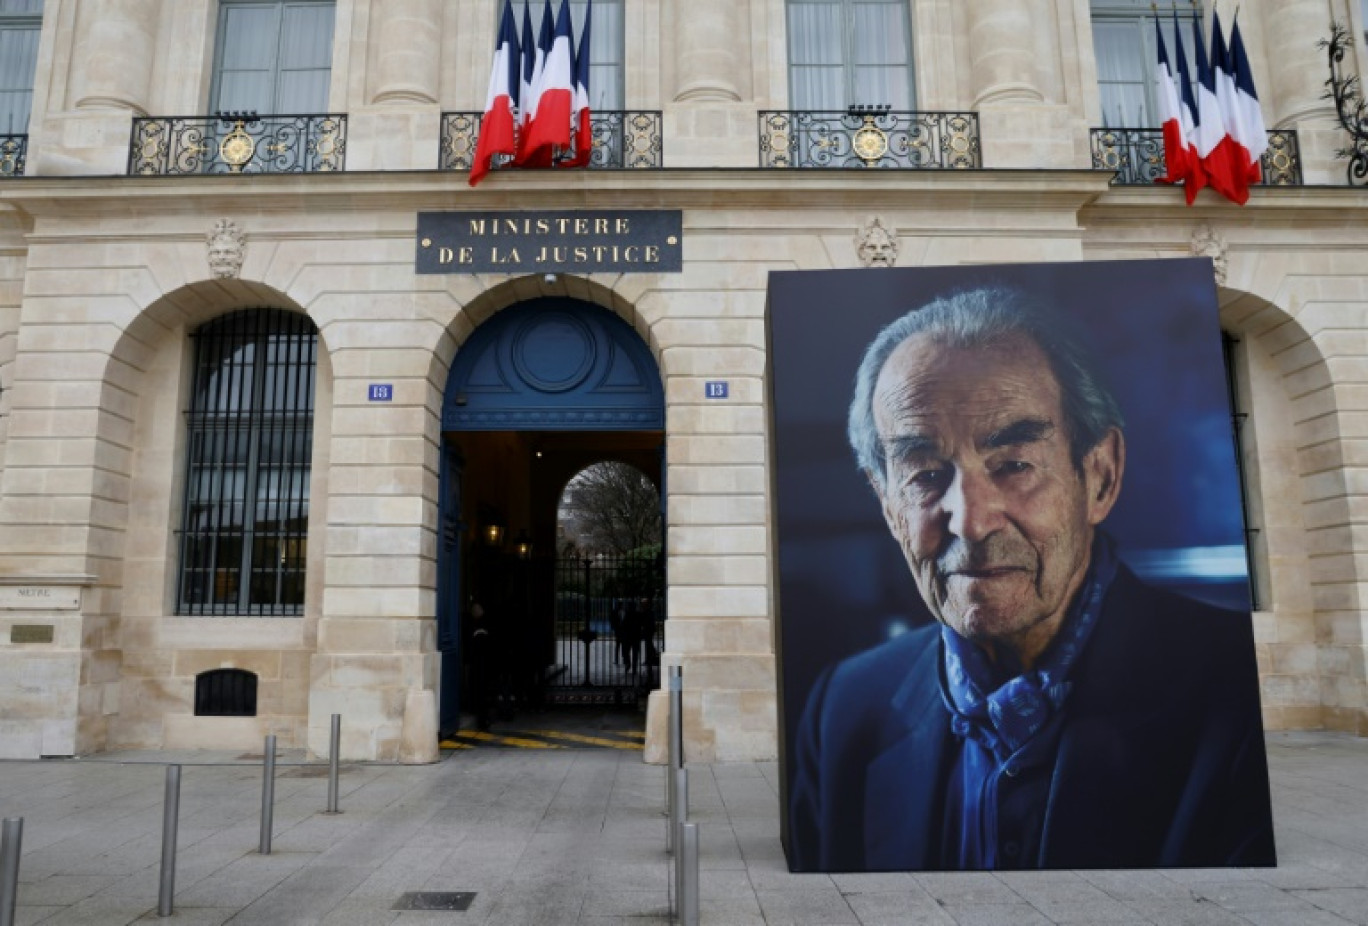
{"x": 105, "y": 278}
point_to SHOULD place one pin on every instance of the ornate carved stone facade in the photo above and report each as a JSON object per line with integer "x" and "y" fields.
{"x": 1207, "y": 242}
{"x": 876, "y": 244}
{"x": 227, "y": 249}
{"x": 103, "y": 280}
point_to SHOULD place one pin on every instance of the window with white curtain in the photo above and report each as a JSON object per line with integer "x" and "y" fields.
{"x": 1123, "y": 41}
{"x": 20, "y": 21}
{"x": 845, "y": 53}
{"x": 273, "y": 56}
{"x": 605, "y": 45}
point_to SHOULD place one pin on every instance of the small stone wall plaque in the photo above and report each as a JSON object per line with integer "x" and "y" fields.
{"x": 39, "y": 598}
{"x": 31, "y": 633}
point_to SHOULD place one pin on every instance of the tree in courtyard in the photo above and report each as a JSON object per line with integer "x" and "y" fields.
{"x": 611, "y": 507}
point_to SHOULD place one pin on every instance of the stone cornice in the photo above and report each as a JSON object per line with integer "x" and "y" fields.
{"x": 78, "y": 579}
{"x": 391, "y": 191}
{"x": 1060, "y": 199}
{"x": 1318, "y": 204}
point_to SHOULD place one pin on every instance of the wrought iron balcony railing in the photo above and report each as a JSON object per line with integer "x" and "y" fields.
{"x": 1137, "y": 156}
{"x": 13, "y": 150}
{"x": 870, "y": 137}
{"x": 622, "y": 139}
{"x": 238, "y": 143}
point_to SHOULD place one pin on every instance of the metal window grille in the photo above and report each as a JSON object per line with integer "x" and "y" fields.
{"x": 244, "y": 531}
{"x": 226, "y": 693}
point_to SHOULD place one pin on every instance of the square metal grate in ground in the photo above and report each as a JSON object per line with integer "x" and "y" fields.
{"x": 435, "y": 900}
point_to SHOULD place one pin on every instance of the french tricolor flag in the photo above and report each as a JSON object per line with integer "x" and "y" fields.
{"x": 1229, "y": 133}
{"x": 1209, "y": 130}
{"x": 530, "y": 60}
{"x": 1177, "y": 159}
{"x": 581, "y": 121}
{"x": 1246, "y": 123}
{"x": 1225, "y": 164}
{"x": 498, "y": 128}
{"x": 532, "y": 96}
{"x": 554, "y": 96}
{"x": 1194, "y": 178}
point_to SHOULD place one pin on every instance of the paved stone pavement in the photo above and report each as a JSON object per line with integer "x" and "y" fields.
{"x": 576, "y": 837}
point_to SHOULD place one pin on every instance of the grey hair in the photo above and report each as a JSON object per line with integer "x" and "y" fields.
{"x": 981, "y": 318}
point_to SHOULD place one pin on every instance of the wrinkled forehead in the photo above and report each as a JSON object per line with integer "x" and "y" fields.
{"x": 928, "y": 385}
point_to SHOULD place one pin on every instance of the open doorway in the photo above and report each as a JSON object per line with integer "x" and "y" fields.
{"x": 538, "y": 611}
{"x": 561, "y": 550}
{"x": 609, "y": 586}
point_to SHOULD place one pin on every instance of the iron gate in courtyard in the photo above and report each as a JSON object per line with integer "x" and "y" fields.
{"x": 609, "y": 627}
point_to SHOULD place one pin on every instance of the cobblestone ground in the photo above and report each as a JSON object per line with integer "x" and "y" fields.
{"x": 572, "y": 836}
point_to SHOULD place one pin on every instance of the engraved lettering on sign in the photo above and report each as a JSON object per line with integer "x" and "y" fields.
{"x": 39, "y": 598}
{"x": 31, "y": 633}
{"x": 574, "y": 241}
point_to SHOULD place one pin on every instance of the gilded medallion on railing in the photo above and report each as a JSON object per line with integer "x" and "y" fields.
{"x": 869, "y": 137}
{"x": 238, "y": 143}
{"x": 1137, "y": 156}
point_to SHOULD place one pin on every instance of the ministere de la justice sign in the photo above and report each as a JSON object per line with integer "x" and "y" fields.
{"x": 576, "y": 241}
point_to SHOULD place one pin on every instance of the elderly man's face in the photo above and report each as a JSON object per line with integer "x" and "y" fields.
{"x": 995, "y": 520}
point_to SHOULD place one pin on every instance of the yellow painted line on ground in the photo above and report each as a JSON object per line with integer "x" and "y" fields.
{"x": 588, "y": 740}
{"x": 634, "y": 734}
{"x": 450, "y": 744}
{"x": 507, "y": 740}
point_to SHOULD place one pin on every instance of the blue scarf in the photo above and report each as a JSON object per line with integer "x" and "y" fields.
{"x": 1011, "y": 712}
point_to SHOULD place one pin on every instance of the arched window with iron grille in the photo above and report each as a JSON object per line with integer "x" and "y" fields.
{"x": 244, "y": 529}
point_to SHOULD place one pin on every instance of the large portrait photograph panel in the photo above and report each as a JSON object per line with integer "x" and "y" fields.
{"x": 1012, "y": 587}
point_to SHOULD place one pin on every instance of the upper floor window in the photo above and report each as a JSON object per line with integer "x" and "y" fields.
{"x": 1123, "y": 40}
{"x": 274, "y": 56}
{"x": 249, "y": 446}
{"x": 845, "y": 53}
{"x": 605, "y": 46}
{"x": 20, "y": 22}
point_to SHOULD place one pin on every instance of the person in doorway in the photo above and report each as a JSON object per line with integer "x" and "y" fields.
{"x": 1059, "y": 713}
{"x": 650, "y": 656}
{"x": 632, "y": 630}
{"x": 617, "y": 619}
{"x": 481, "y": 664}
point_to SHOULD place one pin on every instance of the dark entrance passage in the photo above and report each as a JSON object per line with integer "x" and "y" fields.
{"x": 537, "y": 394}
{"x": 563, "y": 623}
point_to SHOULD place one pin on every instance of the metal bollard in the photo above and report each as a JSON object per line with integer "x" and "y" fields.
{"x": 166, "y": 895}
{"x": 688, "y": 866}
{"x": 267, "y": 795}
{"x": 334, "y": 747}
{"x": 676, "y": 731}
{"x": 681, "y": 814}
{"x": 674, "y": 737}
{"x": 11, "y": 844}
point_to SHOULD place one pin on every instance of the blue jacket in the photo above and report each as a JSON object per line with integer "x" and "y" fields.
{"x": 1161, "y": 760}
